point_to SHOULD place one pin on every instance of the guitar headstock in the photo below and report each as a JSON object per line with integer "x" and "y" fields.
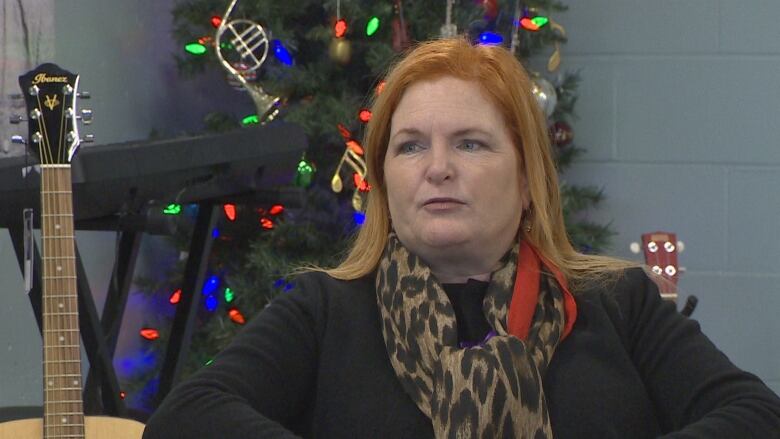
{"x": 50, "y": 96}
{"x": 660, "y": 251}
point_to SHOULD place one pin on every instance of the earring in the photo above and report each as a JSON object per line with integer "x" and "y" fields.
{"x": 527, "y": 228}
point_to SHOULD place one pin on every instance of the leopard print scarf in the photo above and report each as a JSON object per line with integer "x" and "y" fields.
{"x": 490, "y": 390}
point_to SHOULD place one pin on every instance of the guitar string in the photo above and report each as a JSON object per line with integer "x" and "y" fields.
{"x": 62, "y": 129}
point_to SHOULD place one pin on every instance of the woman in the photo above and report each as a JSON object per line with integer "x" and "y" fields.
{"x": 462, "y": 309}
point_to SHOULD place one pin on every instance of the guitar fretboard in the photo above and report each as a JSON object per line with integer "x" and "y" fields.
{"x": 63, "y": 411}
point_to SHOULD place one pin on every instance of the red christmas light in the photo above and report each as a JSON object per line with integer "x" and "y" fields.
{"x": 528, "y": 24}
{"x": 230, "y": 211}
{"x": 364, "y": 115}
{"x": 361, "y": 183}
{"x": 340, "y": 29}
{"x": 236, "y": 316}
{"x": 175, "y": 297}
{"x": 122, "y": 395}
{"x": 150, "y": 333}
{"x": 205, "y": 40}
{"x": 344, "y": 132}
{"x": 266, "y": 223}
{"x": 216, "y": 21}
{"x": 355, "y": 146}
{"x": 276, "y": 209}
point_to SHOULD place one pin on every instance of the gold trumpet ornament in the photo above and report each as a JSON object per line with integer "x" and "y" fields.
{"x": 250, "y": 42}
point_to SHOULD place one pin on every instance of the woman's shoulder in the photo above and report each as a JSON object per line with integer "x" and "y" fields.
{"x": 324, "y": 291}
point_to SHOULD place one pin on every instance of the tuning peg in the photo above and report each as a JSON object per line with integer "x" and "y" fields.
{"x": 86, "y": 116}
{"x": 18, "y": 140}
{"x": 37, "y": 137}
{"x": 16, "y": 119}
{"x": 88, "y": 138}
{"x": 83, "y": 95}
{"x": 15, "y": 96}
{"x": 682, "y": 269}
{"x": 34, "y": 90}
{"x": 634, "y": 247}
{"x": 67, "y": 89}
{"x": 680, "y": 246}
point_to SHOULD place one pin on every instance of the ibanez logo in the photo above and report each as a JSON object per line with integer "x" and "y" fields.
{"x": 42, "y": 78}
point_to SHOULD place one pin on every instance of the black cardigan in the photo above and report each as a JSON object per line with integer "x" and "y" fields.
{"x": 314, "y": 364}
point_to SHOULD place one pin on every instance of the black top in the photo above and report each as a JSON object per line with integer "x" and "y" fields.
{"x": 314, "y": 364}
{"x": 467, "y": 299}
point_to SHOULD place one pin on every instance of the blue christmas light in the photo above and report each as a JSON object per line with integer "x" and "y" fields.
{"x": 490, "y": 38}
{"x": 279, "y": 283}
{"x": 288, "y": 287}
{"x": 215, "y": 233}
{"x": 211, "y": 303}
{"x": 211, "y": 285}
{"x": 281, "y": 53}
{"x": 359, "y": 218}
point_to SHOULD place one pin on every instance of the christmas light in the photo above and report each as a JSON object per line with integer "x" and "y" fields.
{"x": 205, "y": 39}
{"x": 216, "y": 20}
{"x": 251, "y": 119}
{"x": 175, "y": 297}
{"x": 276, "y": 209}
{"x": 364, "y": 115}
{"x": 122, "y": 395}
{"x": 359, "y": 217}
{"x": 490, "y": 38}
{"x": 355, "y": 146}
{"x": 281, "y": 53}
{"x": 344, "y": 131}
{"x": 372, "y": 26}
{"x": 230, "y": 211}
{"x": 266, "y": 223}
{"x": 340, "y": 28}
{"x": 236, "y": 316}
{"x": 360, "y": 183}
{"x": 172, "y": 209}
{"x": 215, "y": 233}
{"x": 211, "y": 285}
{"x": 533, "y": 24}
{"x": 229, "y": 295}
{"x": 211, "y": 360}
{"x": 211, "y": 303}
{"x": 195, "y": 48}
{"x": 279, "y": 283}
{"x": 150, "y": 333}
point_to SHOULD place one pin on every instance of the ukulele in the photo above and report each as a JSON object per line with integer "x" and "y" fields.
{"x": 50, "y": 93}
{"x": 660, "y": 251}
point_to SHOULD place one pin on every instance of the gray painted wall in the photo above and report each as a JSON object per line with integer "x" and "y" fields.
{"x": 679, "y": 112}
{"x": 678, "y": 108}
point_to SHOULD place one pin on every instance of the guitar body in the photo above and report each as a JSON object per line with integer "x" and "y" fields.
{"x": 96, "y": 427}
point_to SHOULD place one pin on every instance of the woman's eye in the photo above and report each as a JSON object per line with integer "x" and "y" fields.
{"x": 470, "y": 145}
{"x": 408, "y": 147}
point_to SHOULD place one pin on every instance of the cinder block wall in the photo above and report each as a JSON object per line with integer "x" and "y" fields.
{"x": 679, "y": 111}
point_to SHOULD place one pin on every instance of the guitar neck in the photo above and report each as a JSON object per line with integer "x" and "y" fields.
{"x": 63, "y": 411}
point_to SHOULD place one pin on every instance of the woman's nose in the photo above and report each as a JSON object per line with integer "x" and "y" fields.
{"x": 439, "y": 164}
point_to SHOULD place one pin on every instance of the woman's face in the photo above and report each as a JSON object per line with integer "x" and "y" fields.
{"x": 451, "y": 172}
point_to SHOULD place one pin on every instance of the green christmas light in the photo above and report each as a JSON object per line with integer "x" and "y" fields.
{"x": 229, "y": 295}
{"x": 209, "y": 362}
{"x": 540, "y": 20}
{"x": 304, "y": 174}
{"x": 250, "y": 120}
{"x": 172, "y": 209}
{"x": 195, "y": 48}
{"x": 372, "y": 26}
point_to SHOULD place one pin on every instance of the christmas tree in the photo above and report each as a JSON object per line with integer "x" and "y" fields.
{"x": 324, "y": 60}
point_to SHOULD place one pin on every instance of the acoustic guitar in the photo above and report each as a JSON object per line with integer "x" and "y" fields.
{"x": 50, "y": 93}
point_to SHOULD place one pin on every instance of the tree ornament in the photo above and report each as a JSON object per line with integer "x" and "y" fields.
{"x": 561, "y": 134}
{"x": 340, "y": 50}
{"x": 400, "y": 28}
{"x": 243, "y": 70}
{"x": 449, "y": 29}
{"x": 304, "y": 173}
{"x": 491, "y": 9}
{"x": 545, "y": 95}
